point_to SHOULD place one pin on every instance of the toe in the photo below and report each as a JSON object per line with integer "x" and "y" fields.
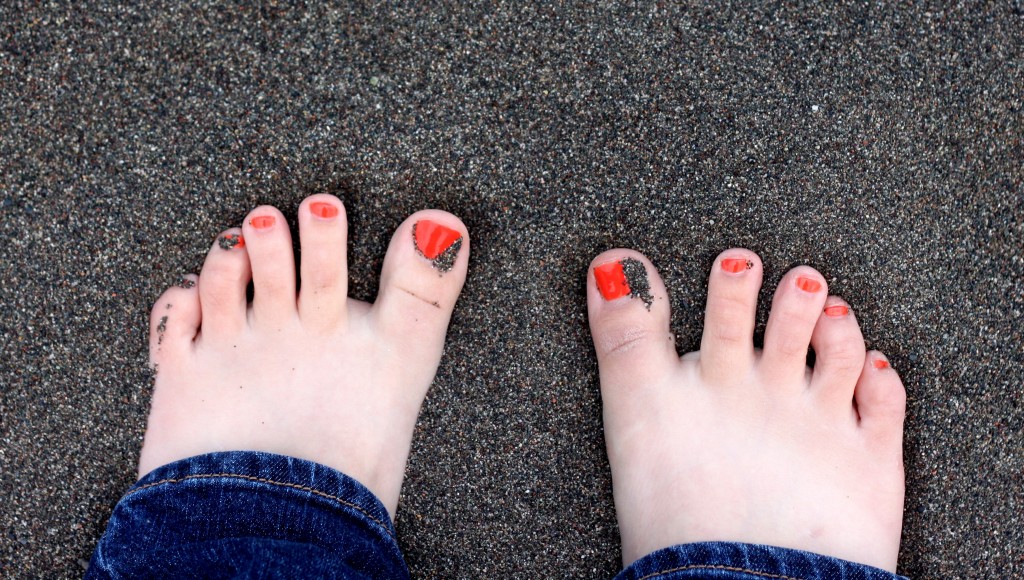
{"x": 881, "y": 398}
{"x": 269, "y": 244}
{"x": 423, "y": 273}
{"x": 839, "y": 352}
{"x": 629, "y": 320}
{"x": 222, "y": 285}
{"x": 174, "y": 321}
{"x": 324, "y": 271}
{"x": 727, "y": 346}
{"x": 796, "y": 307}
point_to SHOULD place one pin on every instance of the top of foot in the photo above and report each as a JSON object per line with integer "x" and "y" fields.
{"x": 304, "y": 370}
{"x": 732, "y": 443}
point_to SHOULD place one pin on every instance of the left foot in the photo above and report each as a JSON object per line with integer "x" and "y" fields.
{"x": 311, "y": 373}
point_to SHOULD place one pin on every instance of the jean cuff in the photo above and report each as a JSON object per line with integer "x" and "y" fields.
{"x": 189, "y": 513}
{"x": 729, "y": 560}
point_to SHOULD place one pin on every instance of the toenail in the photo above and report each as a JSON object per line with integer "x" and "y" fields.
{"x": 231, "y": 241}
{"x": 836, "y": 311}
{"x": 636, "y": 277}
{"x": 808, "y": 284}
{"x": 735, "y": 265}
{"x": 611, "y": 280}
{"x": 626, "y": 277}
{"x": 323, "y": 209}
{"x": 262, "y": 222}
{"x": 437, "y": 243}
{"x": 187, "y": 283}
{"x": 881, "y": 363}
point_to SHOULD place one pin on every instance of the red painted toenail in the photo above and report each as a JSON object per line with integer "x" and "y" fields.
{"x": 262, "y": 222}
{"x": 323, "y": 209}
{"x": 432, "y": 238}
{"x": 836, "y": 311}
{"x": 808, "y": 284}
{"x": 611, "y": 280}
{"x": 231, "y": 241}
{"x": 735, "y": 265}
{"x": 881, "y": 364}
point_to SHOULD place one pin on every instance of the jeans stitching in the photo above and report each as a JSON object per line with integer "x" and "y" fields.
{"x": 268, "y": 481}
{"x": 711, "y": 567}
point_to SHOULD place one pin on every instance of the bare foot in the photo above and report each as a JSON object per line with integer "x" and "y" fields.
{"x": 310, "y": 373}
{"x": 735, "y": 444}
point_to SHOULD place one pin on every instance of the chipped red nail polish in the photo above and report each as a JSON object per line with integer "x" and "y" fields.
{"x": 734, "y": 265}
{"x": 636, "y": 278}
{"x": 627, "y": 277}
{"x": 437, "y": 243}
{"x": 881, "y": 364}
{"x": 323, "y": 209}
{"x": 836, "y": 311}
{"x": 231, "y": 241}
{"x": 262, "y": 222}
{"x": 808, "y": 284}
{"x": 611, "y": 280}
{"x": 187, "y": 283}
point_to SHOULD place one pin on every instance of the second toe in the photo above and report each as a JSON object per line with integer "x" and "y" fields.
{"x": 727, "y": 345}
{"x": 323, "y": 234}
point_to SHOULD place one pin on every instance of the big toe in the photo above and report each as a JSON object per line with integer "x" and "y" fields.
{"x": 629, "y": 320}
{"x": 423, "y": 274}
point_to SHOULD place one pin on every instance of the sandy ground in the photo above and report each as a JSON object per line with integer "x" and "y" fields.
{"x": 881, "y": 146}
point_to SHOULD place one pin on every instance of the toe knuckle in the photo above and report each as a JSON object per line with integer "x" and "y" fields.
{"x": 791, "y": 347}
{"x": 848, "y": 358}
{"x": 623, "y": 340}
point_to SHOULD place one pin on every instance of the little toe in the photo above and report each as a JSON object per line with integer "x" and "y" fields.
{"x": 174, "y": 321}
{"x": 796, "y": 307}
{"x": 222, "y": 285}
{"x": 423, "y": 273}
{"x": 727, "y": 346}
{"x": 269, "y": 244}
{"x": 838, "y": 352}
{"x": 629, "y": 320}
{"x": 323, "y": 233}
{"x": 881, "y": 398}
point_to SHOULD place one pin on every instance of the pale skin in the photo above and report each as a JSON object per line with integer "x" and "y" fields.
{"x": 727, "y": 443}
{"x": 310, "y": 373}
{"x": 732, "y": 443}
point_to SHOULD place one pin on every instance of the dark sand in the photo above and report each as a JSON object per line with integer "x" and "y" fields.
{"x": 881, "y": 146}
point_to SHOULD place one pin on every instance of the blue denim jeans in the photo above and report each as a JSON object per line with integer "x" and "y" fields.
{"x": 258, "y": 515}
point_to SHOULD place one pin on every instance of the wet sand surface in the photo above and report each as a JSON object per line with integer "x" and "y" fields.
{"x": 882, "y": 146}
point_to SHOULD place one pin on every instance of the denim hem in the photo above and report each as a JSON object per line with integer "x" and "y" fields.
{"x": 731, "y": 560}
{"x": 248, "y": 514}
{"x": 250, "y": 465}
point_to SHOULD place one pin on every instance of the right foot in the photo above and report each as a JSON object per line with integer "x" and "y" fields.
{"x": 736, "y": 444}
